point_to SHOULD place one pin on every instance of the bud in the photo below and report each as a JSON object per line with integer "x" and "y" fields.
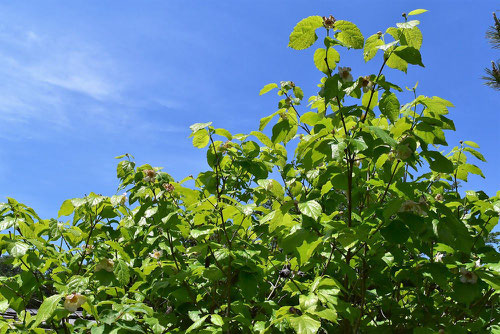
{"x": 285, "y": 272}
{"x": 379, "y": 33}
{"x": 404, "y": 15}
{"x": 73, "y": 301}
{"x": 328, "y": 22}
{"x": 300, "y": 273}
{"x": 461, "y": 142}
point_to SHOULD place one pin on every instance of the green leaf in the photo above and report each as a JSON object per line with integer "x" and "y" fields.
{"x": 201, "y": 138}
{"x": 409, "y": 54}
{"x": 267, "y": 119}
{"x": 304, "y": 33}
{"x": 311, "y": 209}
{"x": 306, "y": 250}
{"x": 17, "y": 249}
{"x": 196, "y": 324}
{"x": 469, "y": 168}
{"x": 475, "y": 153}
{"x": 413, "y": 37}
{"x": 297, "y": 91}
{"x": 371, "y": 47}
{"x": 268, "y": 88}
{"x": 327, "y": 314}
{"x": 308, "y": 302}
{"x": 224, "y": 133}
{"x": 66, "y": 208}
{"x": 338, "y": 150}
{"x": 382, "y": 134}
{"x": 471, "y": 144}
{"x": 47, "y": 308}
{"x": 417, "y": 11}
{"x": 198, "y": 126}
{"x": 283, "y": 131}
{"x": 7, "y": 223}
{"x": 408, "y": 24}
{"x": 389, "y": 106}
{"x": 397, "y": 62}
{"x": 263, "y": 138}
{"x": 366, "y": 99}
{"x": 319, "y": 59}
{"x": 310, "y": 118}
{"x": 396, "y": 232}
{"x": 216, "y": 320}
{"x": 304, "y": 324}
{"x": 121, "y": 272}
{"x": 438, "y": 162}
{"x": 332, "y": 87}
{"x": 492, "y": 278}
{"x": 349, "y": 34}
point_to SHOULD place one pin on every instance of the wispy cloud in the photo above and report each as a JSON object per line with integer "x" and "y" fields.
{"x": 58, "y": 84}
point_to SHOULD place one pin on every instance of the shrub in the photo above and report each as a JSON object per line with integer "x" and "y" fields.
{"x": 347, "y": 219}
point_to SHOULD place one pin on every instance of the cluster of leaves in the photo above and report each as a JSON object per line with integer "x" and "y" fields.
{"x": 492, "y": 77}
{"x": 346, "y": 219}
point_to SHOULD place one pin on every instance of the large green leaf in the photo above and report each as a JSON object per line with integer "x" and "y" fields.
{"x": 332, "y": 87}
{"x": 201, "y": 138}
{"x": 66, "y": 208}
{"x": 46, "y": 310}
{"x": 306, "y": 250}
{"x": 304, "y": 324}
{"x": 371, "y": 98}
{"x": 304, "y": 33}
{"x": 268, "y": 88}
{"x": 320, "y": 56}
{"x": 438, "y": 162}
{"x": 349, "y": 34}
{"x": 198, "y": 126}
{"x": 17, "y": 249}
{"x": 382, "y": 134}
{"x": 409, "y": 54}
{"x": 417, "y": 11}
{"x": 371, "y": 46}
{"x": 197, "y": 324}
{"x": 396, "y": 62}
{"x": 121, "y": 272}
{"x": 311, "y": 209}
{"x": 389, "y": 106}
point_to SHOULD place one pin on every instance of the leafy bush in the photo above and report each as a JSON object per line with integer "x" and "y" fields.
{"x": 347, "y": 219}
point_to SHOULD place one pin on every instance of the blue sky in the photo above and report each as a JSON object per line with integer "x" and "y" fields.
{"x": 84, "y": 81}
